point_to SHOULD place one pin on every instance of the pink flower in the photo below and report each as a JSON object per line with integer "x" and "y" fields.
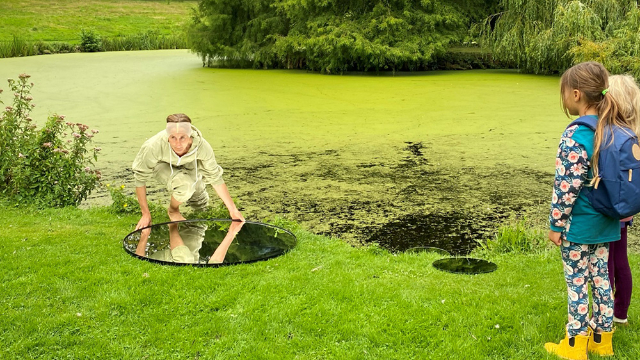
{"x": 574, "y": 255}
{"x": 24, "y": 76}
{"x": 554, "y": 198}
{"x": 597, "y": 281}
{"x": 573, "y": 295}
{"x": 601, "y": 252}
{"x": 603, "y": 308}
{"x": 582, "y": 263}
{"x": 583, "y": 309}
{"x": 8, "y": 108}
{"x": 76, "y": 135}
{"x": 578, "y": 281}
{"x": 47, "y": 144}
{"x": 87, "y": 169}
{"x": 95, "y": 131}
{"x": 564, "y": 186}
{"x": 97, "y": 149}
{"x": 609, "y": 312}
{"x": 576, "y": 169}
{"x": 556, "y": 214}
{"x": 576, "y": 183}
{"x": 573, "y": 156}
{"x": 568, "y": 198}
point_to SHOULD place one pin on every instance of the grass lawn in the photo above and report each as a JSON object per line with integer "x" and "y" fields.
{"x": 63, "y": 20}
{"x": 68, "y": 290}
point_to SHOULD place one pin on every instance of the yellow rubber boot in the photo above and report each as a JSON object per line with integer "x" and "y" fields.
{"x": 573, "y": 348}
{"x": 600, "y": 344}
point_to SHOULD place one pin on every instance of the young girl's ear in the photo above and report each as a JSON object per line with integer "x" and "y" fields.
{"x": 577, "y": 94}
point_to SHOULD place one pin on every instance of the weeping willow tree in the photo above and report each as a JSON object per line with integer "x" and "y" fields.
{"x": 330, "y": 35}
{"x": 548, "y": 36}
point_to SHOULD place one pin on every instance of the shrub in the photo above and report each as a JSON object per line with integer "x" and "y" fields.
{"x": 17, "y": 47}
{"x": 47, "y": 167}
{"x": 516, "y": 237}
{"x": 90, "y": 41}
{"x": 150, "y": 40}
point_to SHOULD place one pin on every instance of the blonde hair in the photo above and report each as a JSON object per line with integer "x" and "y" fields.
{"x": 624, "y": 89}
{"x": 178, "y": 118}
{"x": 591, "y": 79}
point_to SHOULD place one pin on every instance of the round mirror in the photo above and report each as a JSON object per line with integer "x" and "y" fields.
{"x": 212, "y": 242}
{"x": 465, "y": 265}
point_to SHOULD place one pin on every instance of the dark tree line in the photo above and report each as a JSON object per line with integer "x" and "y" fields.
{"x": 332, "y": 36}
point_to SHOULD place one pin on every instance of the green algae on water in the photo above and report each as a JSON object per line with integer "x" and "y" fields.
{"x": 345, "y": 156}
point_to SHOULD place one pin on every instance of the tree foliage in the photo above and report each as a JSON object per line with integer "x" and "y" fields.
{"x": 331, "y": 36}
{"x": 549, "y": 36}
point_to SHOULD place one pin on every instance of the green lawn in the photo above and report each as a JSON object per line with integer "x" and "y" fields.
{"x": 68, "y": 290}
{"x": 63, "y": 20}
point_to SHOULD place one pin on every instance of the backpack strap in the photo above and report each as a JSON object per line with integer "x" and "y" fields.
{"x": 588, "y": 120}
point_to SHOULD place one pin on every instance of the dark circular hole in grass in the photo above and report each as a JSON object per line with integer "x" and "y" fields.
{"x": 464, "y": 265}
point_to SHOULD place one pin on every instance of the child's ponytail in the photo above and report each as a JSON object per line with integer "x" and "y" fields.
{"x": 608, "y": 115}
{"x": 592, "y": 80}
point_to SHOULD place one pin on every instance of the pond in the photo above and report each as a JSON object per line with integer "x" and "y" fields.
{"x": 448, "y": 155}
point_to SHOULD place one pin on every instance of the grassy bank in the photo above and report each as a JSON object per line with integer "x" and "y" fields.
{"x": 68, "y": 290}
{"x": 63, "y": 20}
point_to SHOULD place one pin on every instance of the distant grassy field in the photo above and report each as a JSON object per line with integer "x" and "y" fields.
{"x": 63, "y": 20}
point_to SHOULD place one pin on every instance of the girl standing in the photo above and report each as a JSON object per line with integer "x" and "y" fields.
{"x": 582, "y": 233}
{"x": 625, "y": 91}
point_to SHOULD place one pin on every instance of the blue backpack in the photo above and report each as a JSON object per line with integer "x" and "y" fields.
{"x": 616, "y": 192}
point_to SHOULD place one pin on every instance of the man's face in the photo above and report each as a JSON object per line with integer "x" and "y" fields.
{"x": 180, "y": 143}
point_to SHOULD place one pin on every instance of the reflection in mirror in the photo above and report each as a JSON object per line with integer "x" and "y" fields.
{"x": 465, "y": 265}
{"x": 209, "y": 242}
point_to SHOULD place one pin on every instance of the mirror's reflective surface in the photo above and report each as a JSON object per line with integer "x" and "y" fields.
{"x": 209, "y": 242}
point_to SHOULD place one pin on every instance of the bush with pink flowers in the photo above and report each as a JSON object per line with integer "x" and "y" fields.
{"x": 51, "y": 166}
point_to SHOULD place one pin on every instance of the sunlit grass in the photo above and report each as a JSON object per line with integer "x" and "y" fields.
{"x": 63, "y": 20}
{"x": 69, "y": 290}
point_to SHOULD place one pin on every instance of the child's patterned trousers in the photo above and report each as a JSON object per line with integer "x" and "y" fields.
{"x": 587, "y": 264}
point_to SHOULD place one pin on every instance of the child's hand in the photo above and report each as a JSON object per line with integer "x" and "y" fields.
{"x": 554, "y": 236}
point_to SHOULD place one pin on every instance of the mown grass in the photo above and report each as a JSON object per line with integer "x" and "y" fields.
{"x": 64, "y": 20}
{"x": 68, "y": 290}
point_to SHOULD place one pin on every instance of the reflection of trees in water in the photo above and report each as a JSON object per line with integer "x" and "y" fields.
{"x": 158, "y": 240}
{"x": 253, "y": 242}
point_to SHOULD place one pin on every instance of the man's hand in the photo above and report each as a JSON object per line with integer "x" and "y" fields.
{"x": 236, "y": 215}
{"x": 554, "y": 236}
{"x": 145, "y": 221}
